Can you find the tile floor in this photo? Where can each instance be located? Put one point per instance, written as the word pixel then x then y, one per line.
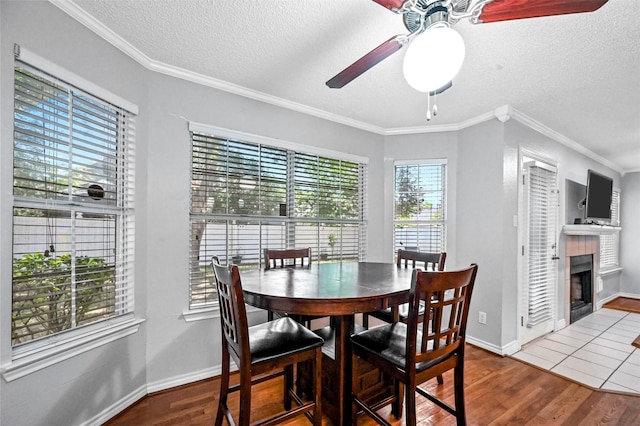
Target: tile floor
pixel 595 350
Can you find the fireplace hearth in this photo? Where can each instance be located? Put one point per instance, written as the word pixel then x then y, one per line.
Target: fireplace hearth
pixel 581 286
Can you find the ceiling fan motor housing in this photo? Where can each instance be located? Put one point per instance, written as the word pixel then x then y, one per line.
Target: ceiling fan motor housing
pixel 431 13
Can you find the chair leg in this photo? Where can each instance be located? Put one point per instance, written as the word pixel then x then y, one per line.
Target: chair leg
pixel 458 386
pixel 410 403
pixel 245 398
pixel 224 387
pixel 317 391
pixel 354 385
pixel 397 405
pixel 269 315
pixel 365 320
pixel 288 385
pixel 440 379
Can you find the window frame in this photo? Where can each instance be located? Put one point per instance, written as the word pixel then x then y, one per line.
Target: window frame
pixel 610 242
pixel 208 307
pixel 442 222
pixel 35 354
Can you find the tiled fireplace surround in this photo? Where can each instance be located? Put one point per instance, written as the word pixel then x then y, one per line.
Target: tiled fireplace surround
pixel 577 245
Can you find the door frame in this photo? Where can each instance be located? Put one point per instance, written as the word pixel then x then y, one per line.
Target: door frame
pixel 526 155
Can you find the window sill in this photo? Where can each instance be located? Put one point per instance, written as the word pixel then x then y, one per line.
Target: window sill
pixel 609 271
pixel 209 312
pixel 200 314
pixel 64 349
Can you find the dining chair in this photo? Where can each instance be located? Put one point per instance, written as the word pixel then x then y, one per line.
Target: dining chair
pixel 412 354
pixel 429 261
pixel 263 352
pixel 288 258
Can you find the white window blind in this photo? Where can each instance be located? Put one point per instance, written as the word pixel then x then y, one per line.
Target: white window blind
pixel 73 187
pixel 609 243
pixel 542 202
pixel 420 206
pixel 248 196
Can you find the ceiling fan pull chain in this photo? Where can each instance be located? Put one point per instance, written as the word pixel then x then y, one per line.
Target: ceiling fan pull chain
pixel 428 107
pixel 435 107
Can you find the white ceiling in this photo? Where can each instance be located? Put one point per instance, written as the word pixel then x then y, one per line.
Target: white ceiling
pixel 577 76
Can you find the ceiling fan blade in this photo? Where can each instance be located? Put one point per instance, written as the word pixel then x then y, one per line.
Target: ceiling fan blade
pixel 368 61
pixel 507 10
pixel 390 4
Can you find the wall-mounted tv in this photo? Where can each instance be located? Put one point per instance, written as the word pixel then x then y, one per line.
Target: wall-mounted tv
pixel 598 198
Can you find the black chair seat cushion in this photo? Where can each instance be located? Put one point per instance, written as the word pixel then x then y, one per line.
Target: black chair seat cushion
pixel 389 342
pixel 279 337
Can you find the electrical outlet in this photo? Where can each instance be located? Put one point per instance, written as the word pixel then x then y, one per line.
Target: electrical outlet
pixel 482 317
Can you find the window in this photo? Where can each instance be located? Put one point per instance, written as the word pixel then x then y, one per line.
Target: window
pixel 72 211
pixel 609 243
pixel 247 196
pixel 420 213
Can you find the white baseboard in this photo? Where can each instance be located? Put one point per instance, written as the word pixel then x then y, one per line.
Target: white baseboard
pixel 158 386
pixel 511 348
pixel 560 324
pixel 508 349
pixel 600 303
pixel 173 382
pixel 117 408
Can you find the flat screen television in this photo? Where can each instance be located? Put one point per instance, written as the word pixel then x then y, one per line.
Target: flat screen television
pixel 598 198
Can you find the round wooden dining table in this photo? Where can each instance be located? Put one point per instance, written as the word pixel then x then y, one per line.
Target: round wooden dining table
pixel 338 290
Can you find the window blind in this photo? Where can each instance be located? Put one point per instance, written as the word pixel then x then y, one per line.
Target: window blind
pixel 542 199
pixel 248 196
pixel 609 243
pixel 419 207
pixel 73 187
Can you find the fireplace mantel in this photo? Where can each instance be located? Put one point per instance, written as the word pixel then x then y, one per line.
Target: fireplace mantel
pixel 590 229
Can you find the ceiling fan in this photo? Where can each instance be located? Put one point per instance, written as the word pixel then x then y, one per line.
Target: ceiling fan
pixel 421 15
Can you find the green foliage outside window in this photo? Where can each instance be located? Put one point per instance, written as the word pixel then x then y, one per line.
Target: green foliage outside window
pixel 45 289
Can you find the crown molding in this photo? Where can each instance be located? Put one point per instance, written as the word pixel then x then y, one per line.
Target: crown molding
pixel 503 113
pixel 80 15
pixel 440 128
pixel 558 137
pixel 204 80
pixel 630 171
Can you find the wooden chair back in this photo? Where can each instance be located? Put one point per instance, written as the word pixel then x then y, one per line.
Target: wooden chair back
pixel 430 261
pixel 233 312
pixel 286 257
pixel 262 352
pixel 428 345
pixel 446 297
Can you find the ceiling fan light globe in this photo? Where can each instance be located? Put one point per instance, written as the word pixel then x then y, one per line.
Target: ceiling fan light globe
pixel 433 59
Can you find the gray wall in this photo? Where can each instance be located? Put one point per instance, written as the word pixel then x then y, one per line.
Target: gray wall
pixel 483 171
pixel 171 101
pixel 571 165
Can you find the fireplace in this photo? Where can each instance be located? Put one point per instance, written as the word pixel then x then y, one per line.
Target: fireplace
pixel 581 286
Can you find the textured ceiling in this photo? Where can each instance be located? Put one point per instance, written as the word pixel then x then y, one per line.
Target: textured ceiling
pixel 576 75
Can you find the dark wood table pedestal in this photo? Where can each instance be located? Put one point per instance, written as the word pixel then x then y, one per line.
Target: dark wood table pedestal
pixel 370 384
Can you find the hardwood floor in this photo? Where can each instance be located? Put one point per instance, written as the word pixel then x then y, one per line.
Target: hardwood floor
pixel 499 391
pixel 627 304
